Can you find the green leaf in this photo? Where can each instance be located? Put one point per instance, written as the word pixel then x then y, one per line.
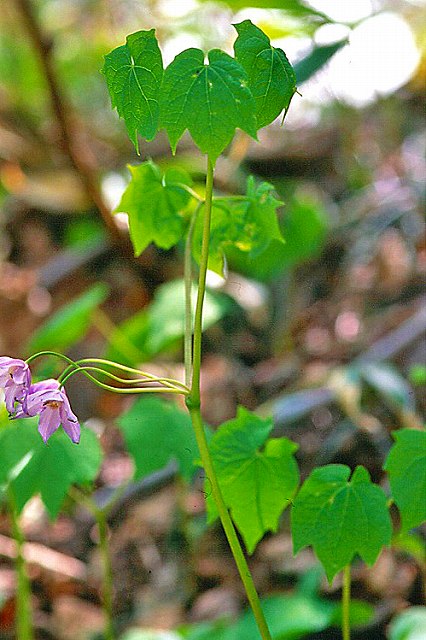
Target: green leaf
pixel 360 613
pixel 134 73
pixel 161 325
pixel 157 432
pixel 314 61
pixel 257 484
pixel 32 467
pixel 340 518
pixel 210 100
pixel 406 466
pixel 409 625
pixel 250 224
pixel 69 323
pixel 154 204
pixel 288 617
pixel 294 8
pixel 304 226
pixel 271 76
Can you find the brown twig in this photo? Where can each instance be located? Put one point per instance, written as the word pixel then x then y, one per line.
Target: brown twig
pixel 70 136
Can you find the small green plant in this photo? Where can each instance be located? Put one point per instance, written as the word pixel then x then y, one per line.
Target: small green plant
pixel 252 477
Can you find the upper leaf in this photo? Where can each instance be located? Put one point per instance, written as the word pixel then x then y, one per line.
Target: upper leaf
pixel 133 73
pixel 249 224
pixel 154 204
pixel 257 485
pixel 33 467
pixel 406 466
pixel 340 518
pixel 271 77
pixel 157 432
pixel 210 100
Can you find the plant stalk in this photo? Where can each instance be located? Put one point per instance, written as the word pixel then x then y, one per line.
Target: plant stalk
pixel 193 403
pixel 346 603
pixel 24 625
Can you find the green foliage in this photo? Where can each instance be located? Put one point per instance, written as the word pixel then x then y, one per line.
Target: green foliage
pixel 409 625
pixel 417 374
pixel 70 323
pixel 154 203
pixel 340 518
pixel 317 58
pixel 304 226
pixel 157 432
pixel 271 76
pixel 406 466
pixel 160 326
pixel 248 223
pixel 134 73
pixel 31 467
pixel 295 8
pixel 258 477
pixel 210 100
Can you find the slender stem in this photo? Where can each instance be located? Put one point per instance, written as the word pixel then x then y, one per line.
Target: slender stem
pixel 193 402
pixel 346 603
pixel 24 626
pixel 188 298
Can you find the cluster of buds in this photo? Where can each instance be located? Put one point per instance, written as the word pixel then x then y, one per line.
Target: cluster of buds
pixel 46 399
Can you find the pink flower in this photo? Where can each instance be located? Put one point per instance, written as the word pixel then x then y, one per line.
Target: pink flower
pixel 47 400
pixel 15 380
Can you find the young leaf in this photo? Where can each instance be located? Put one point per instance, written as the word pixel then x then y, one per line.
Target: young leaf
pixel 340 517
pixel 271 76
pixel 257 485
pixel 33 467
pixel 406 466
pixel 69 323
pixel 249 224
pixel 133 73
pixel 154 203
pixel 210 100
pixel 157 432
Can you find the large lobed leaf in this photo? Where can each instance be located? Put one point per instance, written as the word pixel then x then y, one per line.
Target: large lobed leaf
pixel 133 73
pixel 210 100
pixel 271 76
pixel 154 203
pixel 340 517
pixel 258 477
pixel 406 466
pixel 249 224
pixel 157 432
pixel 32 467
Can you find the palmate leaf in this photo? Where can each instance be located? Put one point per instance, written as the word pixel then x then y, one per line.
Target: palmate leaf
pixel 32 467
pixel 157 432
pixel 406 466
pixel 210 100
pixel 271 76
pixel 257 484
pixel 154 203
pixel 340 517
pixel 249 224
pixel 133 73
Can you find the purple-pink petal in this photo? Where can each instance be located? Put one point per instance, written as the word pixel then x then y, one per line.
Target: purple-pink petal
pixel 49 420
pixel 15 379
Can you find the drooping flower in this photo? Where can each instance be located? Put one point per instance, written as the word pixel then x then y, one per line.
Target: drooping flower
pixel 15 380
pixel 49 401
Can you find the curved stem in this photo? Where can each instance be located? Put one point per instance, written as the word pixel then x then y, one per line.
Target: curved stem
pixel 193 403
pixel 24 626
pixel 188 298
pixel 346 603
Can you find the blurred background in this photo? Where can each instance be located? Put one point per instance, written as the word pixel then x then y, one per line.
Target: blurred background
pixel 325 332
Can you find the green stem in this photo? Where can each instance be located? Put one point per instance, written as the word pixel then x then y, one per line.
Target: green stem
pixel 188 298
pixel 193 402
pixel 346 603
pixel 24 626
